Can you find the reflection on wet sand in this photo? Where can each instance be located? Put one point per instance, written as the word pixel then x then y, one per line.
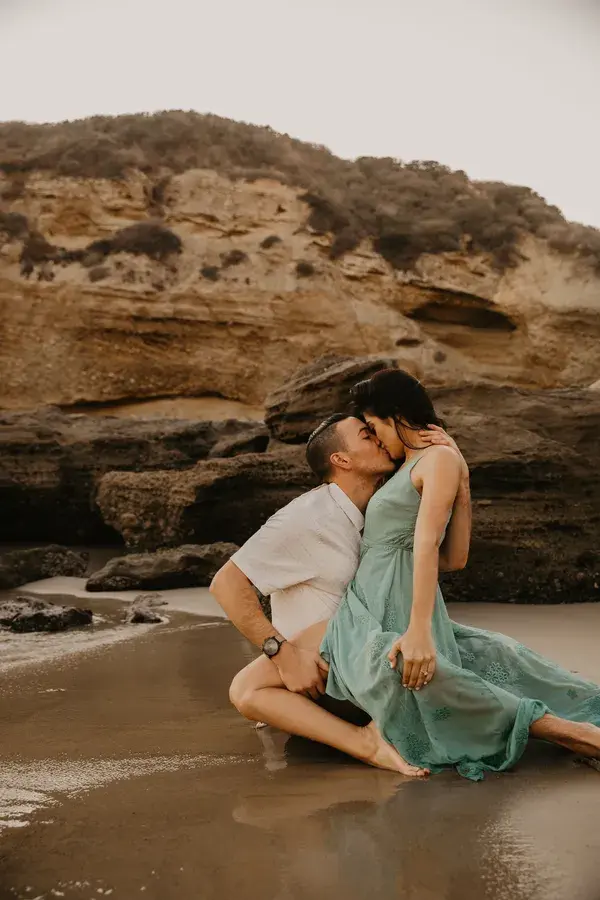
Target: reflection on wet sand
pixel 182 799
pixel 445 839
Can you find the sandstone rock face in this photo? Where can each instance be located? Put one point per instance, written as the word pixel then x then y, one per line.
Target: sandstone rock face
pixel 19 567
pixel 26 614
pixel 234 314
pixel 536 494
pixel 217 500
pixel 535 484
pixel 50 463
pixel 252 440
pixel 317 390
pixel 179 567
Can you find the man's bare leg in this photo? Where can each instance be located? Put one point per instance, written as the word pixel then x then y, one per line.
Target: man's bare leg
pixel 258 693
pixel 580 737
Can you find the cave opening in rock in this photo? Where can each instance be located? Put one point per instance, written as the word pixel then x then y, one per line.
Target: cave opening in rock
pixel 470 312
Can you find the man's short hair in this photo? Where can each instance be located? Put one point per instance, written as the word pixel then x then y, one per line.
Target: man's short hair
pixel 324 441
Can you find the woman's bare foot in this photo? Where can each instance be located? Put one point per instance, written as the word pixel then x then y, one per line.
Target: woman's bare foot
pixel 383 756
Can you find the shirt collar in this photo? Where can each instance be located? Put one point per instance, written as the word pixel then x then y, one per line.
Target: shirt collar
pixel 346 504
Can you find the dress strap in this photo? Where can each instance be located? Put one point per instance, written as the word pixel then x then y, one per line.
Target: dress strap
pixel 412 463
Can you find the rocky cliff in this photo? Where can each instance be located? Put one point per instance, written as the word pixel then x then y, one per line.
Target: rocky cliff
pixel 247 291
pixel 145 276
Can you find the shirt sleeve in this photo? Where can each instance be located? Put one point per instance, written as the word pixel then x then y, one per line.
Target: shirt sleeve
pixel 282 553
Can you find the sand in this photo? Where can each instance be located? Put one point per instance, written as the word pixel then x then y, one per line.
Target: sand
pixel 126 773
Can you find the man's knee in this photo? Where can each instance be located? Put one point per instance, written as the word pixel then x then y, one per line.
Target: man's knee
pixel 240 694
pixel 244 694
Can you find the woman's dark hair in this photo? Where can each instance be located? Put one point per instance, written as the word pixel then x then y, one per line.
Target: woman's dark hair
pixel 394 394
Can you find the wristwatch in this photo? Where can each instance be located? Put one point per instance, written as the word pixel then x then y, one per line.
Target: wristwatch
pixel 272 645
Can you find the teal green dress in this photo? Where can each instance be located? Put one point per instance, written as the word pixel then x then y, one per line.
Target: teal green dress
pixel 487 690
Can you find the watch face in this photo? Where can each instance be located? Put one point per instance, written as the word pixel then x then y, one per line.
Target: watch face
pixel 271 646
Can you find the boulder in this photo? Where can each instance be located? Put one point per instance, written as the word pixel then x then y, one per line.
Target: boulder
pixel 188 566
pixel 22 614
pixel 21 566
pixel 143 610
pixel 534 477
pixel 217 500
pixel 536 494
pixel 316 391
pixel 254 440
pixel 50 463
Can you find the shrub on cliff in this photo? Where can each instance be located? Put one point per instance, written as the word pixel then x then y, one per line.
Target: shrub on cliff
pixel 304 269
pixel 233 258
pixel 13 225
pixel 211 273
pixel 270 241
pixel 142 239
pixel 405 208
pixel 37 249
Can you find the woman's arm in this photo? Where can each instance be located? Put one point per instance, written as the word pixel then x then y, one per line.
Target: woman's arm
pixel 439 477
pixel 454 551
pixel 439 474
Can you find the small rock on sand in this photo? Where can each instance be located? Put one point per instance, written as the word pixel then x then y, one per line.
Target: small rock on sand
pixel 26 614
pixel 144 610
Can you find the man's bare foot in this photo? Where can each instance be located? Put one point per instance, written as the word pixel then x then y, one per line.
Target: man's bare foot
pixel 383 756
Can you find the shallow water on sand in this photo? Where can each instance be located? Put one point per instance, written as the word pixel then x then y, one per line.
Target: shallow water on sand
pixel 108 608
pixel 126 773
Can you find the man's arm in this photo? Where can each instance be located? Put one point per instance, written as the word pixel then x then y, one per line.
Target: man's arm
pixel 454 551
pixel 302 671
pixel 235 593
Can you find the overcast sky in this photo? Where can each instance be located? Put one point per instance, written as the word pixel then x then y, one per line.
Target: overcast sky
pixel 504 89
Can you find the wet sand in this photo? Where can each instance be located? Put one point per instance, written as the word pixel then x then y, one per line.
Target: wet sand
pixel 126 773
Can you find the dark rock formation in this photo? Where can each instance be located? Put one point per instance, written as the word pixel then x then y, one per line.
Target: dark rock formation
pixel 316 391
pixel 217 500
pixel 19 567
pixel 143 610
pixel 254 440
pixel 187 566
pixel 23 614
pixel 50 463
pixel 536 490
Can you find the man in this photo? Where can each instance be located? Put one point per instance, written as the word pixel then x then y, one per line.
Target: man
pixel 303 557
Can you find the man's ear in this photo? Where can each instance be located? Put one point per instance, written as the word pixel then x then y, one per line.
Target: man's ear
pixel 341 460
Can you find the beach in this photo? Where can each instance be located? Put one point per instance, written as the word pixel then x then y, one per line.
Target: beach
pixel 127 773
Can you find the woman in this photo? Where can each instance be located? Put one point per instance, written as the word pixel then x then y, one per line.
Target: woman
pixel 443 694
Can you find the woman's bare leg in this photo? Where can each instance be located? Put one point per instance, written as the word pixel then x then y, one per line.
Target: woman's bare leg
pixel 580 737
pixel 260 695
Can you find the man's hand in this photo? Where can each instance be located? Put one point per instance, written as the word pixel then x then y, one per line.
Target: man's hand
pixel 418 651
pixel 302 671
pixel 433 434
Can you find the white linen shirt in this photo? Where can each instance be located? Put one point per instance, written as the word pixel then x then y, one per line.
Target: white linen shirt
pixel 304 556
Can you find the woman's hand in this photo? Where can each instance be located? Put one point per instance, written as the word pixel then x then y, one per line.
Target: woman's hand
pixel 418 651
pixel 436 435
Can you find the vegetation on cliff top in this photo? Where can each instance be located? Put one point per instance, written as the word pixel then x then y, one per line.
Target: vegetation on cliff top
pixel 406 208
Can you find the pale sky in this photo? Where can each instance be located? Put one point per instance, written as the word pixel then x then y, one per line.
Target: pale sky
pixel 505 89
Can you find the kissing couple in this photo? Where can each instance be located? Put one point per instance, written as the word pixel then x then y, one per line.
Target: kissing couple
pixel 361 653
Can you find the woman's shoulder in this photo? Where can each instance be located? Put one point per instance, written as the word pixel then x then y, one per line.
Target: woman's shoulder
pixel 438 459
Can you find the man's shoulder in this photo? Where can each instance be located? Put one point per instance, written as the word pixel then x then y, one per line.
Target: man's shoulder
pixel 313 503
